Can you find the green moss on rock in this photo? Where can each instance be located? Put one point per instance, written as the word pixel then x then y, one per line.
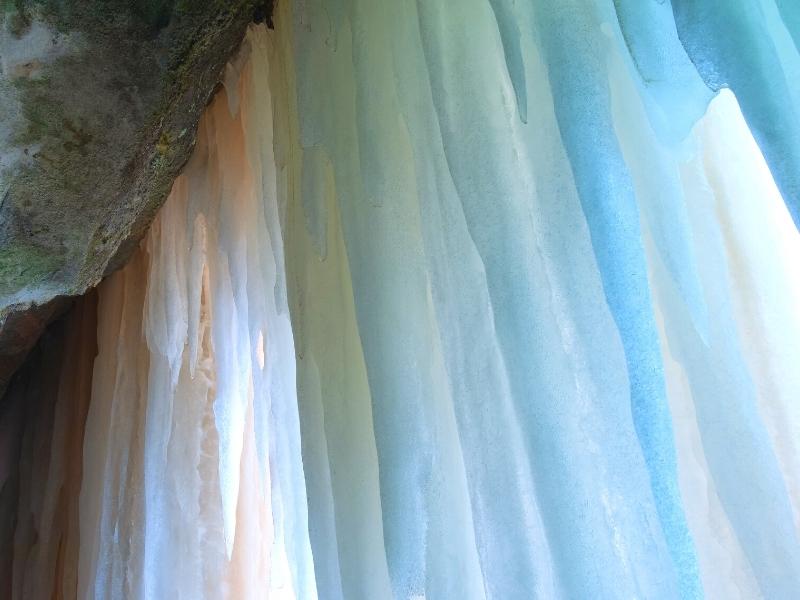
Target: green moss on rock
pixel 25 264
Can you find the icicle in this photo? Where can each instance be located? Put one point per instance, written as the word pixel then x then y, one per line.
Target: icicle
pixel 196 486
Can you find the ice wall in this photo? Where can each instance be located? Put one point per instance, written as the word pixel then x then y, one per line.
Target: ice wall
pixel 544 297
pixel 733 394
pixel 41 448
pixel 193 484
pixel 493 302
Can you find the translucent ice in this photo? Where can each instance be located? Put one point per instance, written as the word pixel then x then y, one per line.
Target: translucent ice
pixel 193 483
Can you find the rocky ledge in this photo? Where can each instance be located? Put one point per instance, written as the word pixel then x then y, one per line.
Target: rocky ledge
pixel 99 103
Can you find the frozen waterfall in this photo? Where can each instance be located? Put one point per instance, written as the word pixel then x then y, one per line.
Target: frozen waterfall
pixel 478 300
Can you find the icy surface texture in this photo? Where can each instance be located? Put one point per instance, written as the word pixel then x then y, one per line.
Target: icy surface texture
pixel 41 449
pixel 544 298
pixel 193 484
pixel 752 47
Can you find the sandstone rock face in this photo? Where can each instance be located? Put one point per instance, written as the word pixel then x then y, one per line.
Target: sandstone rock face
pixel 99 102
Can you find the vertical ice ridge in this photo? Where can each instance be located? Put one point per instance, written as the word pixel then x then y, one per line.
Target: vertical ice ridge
pixel 657 186
pixel 216 459
pixel 724 569
pixel 508 25
pixel 498 577
pixel 450 210
pixel 779 577
pixel 582 100
pixel 791 18
pixel 733 45
pixel 765 282
pixel 674 93
pixel 720 384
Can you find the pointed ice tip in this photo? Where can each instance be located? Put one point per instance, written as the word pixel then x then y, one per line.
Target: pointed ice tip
pixel 230 538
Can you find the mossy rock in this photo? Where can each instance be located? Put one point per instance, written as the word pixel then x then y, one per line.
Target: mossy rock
pixel 99 104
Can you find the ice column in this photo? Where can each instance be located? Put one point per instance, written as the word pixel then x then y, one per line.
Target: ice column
pixel 193 484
